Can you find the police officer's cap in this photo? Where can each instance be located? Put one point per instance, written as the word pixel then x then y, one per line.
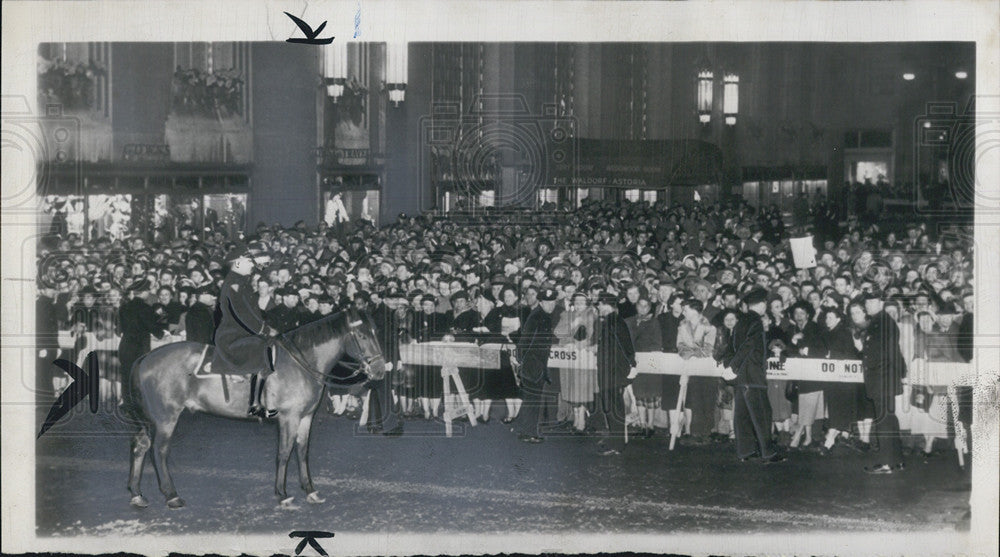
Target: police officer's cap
pixel 238 251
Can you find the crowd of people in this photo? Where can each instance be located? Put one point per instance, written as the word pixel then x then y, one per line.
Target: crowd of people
pixel 613 278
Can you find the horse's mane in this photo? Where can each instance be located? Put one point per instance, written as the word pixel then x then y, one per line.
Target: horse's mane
pixel 311 335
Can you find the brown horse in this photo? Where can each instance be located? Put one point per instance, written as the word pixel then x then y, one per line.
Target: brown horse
pixel 164 383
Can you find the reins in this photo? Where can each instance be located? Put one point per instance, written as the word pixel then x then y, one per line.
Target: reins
pixel 302 360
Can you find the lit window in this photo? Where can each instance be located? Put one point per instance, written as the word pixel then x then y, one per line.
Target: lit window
pixel 486 199
pixel 632 195
pixel 649 196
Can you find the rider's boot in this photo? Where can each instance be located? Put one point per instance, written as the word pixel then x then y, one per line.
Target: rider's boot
pixel 257 408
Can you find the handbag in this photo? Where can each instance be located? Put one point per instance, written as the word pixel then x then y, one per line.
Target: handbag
pixel 792 391
pixel 921 397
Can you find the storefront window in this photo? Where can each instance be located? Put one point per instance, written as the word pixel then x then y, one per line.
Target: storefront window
pixel 548 195
pixel 109 216
pixel 649 196
pixel 487 199
pixel 226 212
pixel 89 217
pixel 871 171
pixel 355 205
pixel 632 195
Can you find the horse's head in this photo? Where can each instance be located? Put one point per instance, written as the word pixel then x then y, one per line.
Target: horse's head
pixel 362 345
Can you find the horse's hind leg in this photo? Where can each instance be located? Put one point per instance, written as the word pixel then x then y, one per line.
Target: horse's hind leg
pixel 140 446
pixel 161 446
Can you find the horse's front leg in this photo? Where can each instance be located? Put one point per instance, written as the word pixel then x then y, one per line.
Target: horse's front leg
pixel 302 446
pixel 286 436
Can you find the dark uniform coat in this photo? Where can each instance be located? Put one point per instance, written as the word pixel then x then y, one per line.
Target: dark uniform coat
pixel 138 322
pixel 842 399
pixel 884 366
pixel 200 323
pixel 615 352
pixel 284 318
pixel 534 343
pixel 238 339
pixel 427 328
pixel 473 379
pixel 749 356
pixel 815 340
pixel 752 416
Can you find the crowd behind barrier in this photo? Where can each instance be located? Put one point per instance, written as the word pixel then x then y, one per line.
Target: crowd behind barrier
pixel 676 273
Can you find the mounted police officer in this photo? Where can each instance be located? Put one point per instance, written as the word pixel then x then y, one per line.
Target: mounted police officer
pixel 241 340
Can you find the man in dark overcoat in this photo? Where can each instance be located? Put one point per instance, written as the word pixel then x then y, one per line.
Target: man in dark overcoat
pixel 199 322
pixel 533 346
pixel 748 370
pixel 288 314
pixel 884 369
pixel 138 322
pixel 383 412
pixel 615 362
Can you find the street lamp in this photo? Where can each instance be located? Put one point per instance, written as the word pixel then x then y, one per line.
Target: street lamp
pixel 396 71
pixel 335 70
pixel 705 83
pixel 730 98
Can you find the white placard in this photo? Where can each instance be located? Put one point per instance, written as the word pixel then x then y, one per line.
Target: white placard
pixel 803 252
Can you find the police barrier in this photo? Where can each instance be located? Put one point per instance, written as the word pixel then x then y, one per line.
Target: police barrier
pixel 487 356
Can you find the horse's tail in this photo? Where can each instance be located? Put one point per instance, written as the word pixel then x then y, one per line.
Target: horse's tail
pixel 132 405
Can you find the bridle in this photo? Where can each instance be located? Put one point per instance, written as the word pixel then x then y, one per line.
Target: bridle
pixel 365 365
pixel 362 367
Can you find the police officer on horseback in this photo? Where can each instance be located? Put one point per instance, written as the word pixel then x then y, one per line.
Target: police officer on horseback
pixel 242 337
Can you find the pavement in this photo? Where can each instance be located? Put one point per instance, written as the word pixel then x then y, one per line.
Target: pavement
pixel 480 480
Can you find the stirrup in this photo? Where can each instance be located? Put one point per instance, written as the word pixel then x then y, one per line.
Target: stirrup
pixel 261 412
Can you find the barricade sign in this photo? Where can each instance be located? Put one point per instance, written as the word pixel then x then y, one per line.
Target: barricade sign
pixel 487 357
pixel 458 354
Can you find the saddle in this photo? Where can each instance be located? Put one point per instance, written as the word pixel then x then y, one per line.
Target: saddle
pixel 211 366
pixel 212 363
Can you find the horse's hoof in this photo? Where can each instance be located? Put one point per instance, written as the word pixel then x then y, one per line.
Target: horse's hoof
pixel 175 502
pixel 139 502
pixel 314 498
pixel 286 503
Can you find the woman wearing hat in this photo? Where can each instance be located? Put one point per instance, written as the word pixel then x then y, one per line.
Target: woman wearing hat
pixel 504 320
pixel 576 328
pixel 646 337
pixel 807 341
pixel 428 325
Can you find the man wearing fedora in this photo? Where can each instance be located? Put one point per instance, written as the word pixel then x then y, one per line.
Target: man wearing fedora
pixel 884 370
pixel 615 362
pixel 748 371
pixel 241 338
